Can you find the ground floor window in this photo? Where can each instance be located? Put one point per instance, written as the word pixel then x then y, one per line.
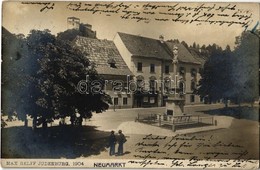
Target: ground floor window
pixel 192 98
pixel 115 101
pixel 152 99
pixel 145 99
pixel 125 101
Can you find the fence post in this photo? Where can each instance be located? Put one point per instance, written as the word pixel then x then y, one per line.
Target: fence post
pixel 173 126
pixel 159 120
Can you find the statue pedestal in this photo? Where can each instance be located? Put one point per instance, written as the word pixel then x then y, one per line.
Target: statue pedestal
pixel 174 106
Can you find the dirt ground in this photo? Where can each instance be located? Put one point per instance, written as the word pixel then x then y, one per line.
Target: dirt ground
pixel 232 138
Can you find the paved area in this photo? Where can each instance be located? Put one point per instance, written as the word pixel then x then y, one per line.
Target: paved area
pixel 110 119
pixel 241 132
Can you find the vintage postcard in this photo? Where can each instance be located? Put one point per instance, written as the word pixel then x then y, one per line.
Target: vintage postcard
pixel 88 84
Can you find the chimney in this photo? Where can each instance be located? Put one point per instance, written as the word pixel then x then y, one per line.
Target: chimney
pixel 161 38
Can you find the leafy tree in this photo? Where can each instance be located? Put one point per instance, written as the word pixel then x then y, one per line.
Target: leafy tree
pixel 216 82
pixel 13 71
pixel 194 45
pixel 42 80
pixel 245 68
pixel 69 34
pixel 203 47
pixel 62 68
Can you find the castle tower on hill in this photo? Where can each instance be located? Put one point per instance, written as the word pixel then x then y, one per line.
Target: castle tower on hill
pixel 84 29
pixel 73 23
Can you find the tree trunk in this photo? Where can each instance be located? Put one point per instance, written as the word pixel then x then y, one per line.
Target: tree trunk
pixel 34 122
pixel 44 123
pixel 80 121
pixel 25 122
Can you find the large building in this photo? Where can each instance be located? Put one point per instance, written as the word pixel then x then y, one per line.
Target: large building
pixel 110 65
pixel 151 62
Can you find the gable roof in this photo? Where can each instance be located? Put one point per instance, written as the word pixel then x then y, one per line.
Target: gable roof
pixel 148 47
pixel 144 47
pixel 184 54
pixel 100 52
pixel 200 57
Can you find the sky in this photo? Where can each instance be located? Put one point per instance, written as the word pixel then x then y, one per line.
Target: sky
pixel 21 18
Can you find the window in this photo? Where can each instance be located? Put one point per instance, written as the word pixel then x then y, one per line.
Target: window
pixel 152 68
pixel 193 86
pixel 181 87
pixel 169 112
pixel 152 84
pixel 139 66
pixel 182 71
pixel 192 98
pixel 115 101
pixel 140 84
pixel 113 65
pixel 167 69
pixel 145 99
pixel 125 101
pixel 152 100
pixel 167 84
pixel 193 72
pixel 112 62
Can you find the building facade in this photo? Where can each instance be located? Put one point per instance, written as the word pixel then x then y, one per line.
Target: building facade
pixel 111 66
pixel 151 62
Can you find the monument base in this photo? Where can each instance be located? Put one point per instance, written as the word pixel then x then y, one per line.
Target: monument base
pixel 175 106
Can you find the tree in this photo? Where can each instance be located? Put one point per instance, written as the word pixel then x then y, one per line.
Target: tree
pixel 215 83
pixel 194 45
pixel 62 68
pixel 245 68
pixel 13 73
pixel 69 34
pixel 203 47
pixel 42 81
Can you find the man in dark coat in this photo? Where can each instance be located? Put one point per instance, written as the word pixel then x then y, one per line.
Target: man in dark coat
pixel 121 140
pixel 112 143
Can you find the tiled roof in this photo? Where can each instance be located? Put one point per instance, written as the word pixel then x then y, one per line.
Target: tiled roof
pixel 184 54
pixel 100 52
pixel 144 47
pixel 148 47
pixel 201 58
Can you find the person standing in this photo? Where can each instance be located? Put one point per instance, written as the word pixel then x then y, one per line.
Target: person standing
pixel 121 140
pixel 112 143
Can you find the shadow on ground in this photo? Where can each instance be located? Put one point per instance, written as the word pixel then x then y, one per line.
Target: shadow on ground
pixel 53 142
pixel 243 112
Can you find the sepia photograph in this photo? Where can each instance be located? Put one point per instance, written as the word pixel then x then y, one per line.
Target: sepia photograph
pixel 91 84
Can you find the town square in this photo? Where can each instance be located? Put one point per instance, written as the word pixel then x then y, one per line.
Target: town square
pixel 130 85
